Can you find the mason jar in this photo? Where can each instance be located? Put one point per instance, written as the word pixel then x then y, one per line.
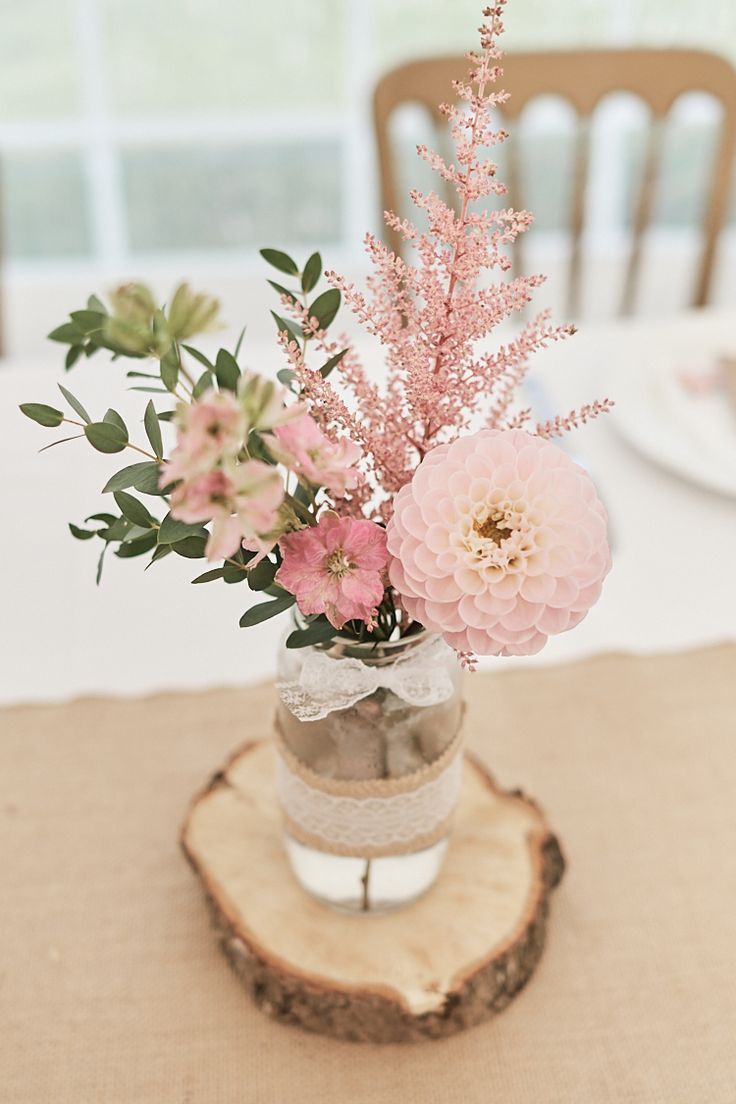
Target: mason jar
pixel 368 766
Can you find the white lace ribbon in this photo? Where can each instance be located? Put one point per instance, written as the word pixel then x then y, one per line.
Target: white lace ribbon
pixel 325 683
pixel 369 826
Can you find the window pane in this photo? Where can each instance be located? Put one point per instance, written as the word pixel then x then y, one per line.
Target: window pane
pixel 678 23
pixel 414 28
pixel 38 60
pixel 196 56
pixel 45 205
pixel 213 197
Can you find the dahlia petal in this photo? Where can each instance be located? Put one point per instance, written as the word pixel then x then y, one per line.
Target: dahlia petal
pixel 501 590
pixel 537 588
pixel 469 581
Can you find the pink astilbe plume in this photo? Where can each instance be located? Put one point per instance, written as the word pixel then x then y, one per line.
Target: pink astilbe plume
pixel 430 315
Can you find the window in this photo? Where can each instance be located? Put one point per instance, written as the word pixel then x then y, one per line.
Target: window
pixel 132 131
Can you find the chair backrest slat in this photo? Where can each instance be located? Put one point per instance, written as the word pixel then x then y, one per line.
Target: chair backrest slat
pixel 577 217
pixel 583 79
pixel 642 212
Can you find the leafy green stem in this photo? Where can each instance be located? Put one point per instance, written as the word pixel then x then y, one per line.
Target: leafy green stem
pixel 143 452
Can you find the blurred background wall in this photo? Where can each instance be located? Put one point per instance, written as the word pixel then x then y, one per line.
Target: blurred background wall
pixel 142 140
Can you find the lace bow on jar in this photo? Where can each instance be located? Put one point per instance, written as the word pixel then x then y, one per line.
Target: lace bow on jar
pixel 324 683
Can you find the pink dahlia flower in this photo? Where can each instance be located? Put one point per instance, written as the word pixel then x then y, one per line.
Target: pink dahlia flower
pixel 335 567
pixel 498 542
pixel 241 501
pixel 302 446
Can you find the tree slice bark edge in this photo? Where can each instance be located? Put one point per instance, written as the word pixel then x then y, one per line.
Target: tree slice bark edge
pixel 289 997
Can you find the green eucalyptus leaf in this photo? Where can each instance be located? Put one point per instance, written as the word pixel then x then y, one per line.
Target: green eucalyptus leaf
pixel 150 390
pixel 325 307
pixel 117 531
pixel 293 331
pixel 261 576
pixel 81 534
pixel 283 291
pixel 303 494
pixel 153 429
pixel 331 363
pixel 282 261
pixel 137 547
pixel 209 576
pixel 134 510
pixel 170 370
pixel 73 354
pixel 318 632
pixel 100 565
pixel 239 342
pixel 144 477
pixel 113 418
pixel 192 548
pixel 107 518
pixel 173 530
pixel 287 377
pixel 45 415
pixel 67 334
pixel 75 404
pixel 166 415
pixel 232 574
pixel 205 381
pixel 135 532
pixel 95 304
pixel 159 552
pixel 226 370
pixel 88 321
pixel 203 360
pixel 312 272
pixel 106 437
pixel 256 614
pixel 142 375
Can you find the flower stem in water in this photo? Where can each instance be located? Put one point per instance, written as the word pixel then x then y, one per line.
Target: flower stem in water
pixel 366 905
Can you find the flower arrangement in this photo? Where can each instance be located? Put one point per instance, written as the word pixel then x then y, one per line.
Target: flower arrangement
pixel 429 501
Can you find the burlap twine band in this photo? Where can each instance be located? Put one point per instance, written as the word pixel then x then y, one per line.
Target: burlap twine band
pixel 373 817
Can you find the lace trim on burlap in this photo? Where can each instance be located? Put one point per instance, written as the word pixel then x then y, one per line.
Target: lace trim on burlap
pixel 369 818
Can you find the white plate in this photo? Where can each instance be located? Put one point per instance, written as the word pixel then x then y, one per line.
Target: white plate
pixel 691 434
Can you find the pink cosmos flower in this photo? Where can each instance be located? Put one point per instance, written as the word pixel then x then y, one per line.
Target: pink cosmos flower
pixel 210 428
pixel 497 542
pixel 241 500
pixel 302 446
pixel 335 567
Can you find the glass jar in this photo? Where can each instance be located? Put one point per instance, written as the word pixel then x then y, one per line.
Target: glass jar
pixel 368 766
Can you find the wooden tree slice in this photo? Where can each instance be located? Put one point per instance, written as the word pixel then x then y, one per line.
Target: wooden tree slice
pixel 444 963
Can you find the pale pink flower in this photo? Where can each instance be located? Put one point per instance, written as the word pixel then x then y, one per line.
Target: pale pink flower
pixel 335 567
pixel 498 542
pixel 211 427
pixel 203 497
pixel 241 500
pixel 302 446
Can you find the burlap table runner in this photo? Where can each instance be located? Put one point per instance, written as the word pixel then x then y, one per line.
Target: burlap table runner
pixel 112 987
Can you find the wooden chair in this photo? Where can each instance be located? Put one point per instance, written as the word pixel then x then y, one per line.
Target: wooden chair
pixel 583 78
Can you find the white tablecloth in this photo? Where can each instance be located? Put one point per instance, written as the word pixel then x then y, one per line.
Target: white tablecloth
pixel 672 585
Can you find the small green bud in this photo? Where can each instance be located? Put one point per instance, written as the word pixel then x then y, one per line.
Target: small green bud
pixel 133 303
pixel 191 314
pixel 130 337
pixel 129 326
pixel 263 402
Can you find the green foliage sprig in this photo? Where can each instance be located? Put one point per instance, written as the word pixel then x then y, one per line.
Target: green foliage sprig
pixel 132 326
